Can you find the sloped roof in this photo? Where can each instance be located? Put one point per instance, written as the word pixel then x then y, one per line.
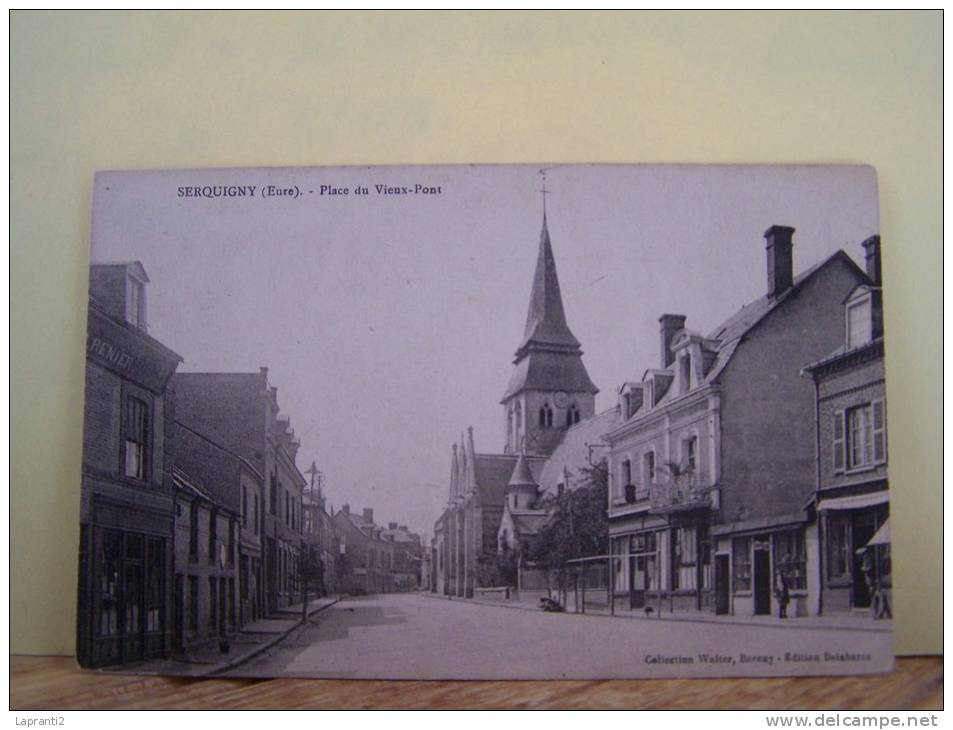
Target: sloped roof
pixel 493 473
pixel 547 370
pixel 572 451
pixel 546 318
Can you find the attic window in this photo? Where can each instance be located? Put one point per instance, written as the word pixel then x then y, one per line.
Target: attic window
pixel 136 304
pixel 685 366
pixel 858 323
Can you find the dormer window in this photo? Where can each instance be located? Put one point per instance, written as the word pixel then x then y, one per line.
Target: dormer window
pixel 685 372
pixel 649 388
pixel 858 323
pixel 627 400
pixel 136 303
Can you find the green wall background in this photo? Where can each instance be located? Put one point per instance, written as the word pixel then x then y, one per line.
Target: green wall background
pixel 110 90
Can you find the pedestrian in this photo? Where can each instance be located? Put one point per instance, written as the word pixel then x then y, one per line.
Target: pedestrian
pixel 782 593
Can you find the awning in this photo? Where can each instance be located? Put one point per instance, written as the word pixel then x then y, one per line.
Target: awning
pixel 858 501
pixel 882 536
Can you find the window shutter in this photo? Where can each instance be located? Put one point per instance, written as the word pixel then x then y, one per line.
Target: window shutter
pixel 839 441
pixel 880 445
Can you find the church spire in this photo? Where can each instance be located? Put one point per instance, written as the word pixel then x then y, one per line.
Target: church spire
pixel 546 318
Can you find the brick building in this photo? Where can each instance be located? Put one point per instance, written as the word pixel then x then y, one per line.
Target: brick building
pixel 365 562
pixel 126 502
pixel 240 412
pixel 852 498
pixel 713 463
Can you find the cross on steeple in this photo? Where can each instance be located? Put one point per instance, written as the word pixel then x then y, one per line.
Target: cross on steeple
pixel 543 190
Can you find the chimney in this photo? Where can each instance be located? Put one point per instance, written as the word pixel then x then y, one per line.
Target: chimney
pixel 670 324
pixel 346 508
pixel 391 525
pixel 369 515
pixel 780 264
pixel 872 258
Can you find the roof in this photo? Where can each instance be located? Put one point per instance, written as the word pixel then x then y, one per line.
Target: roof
pixel 572 452
pixel 844 352
pixel 546 319
pixel 493 472
pixel 181 480
pixel 522 476
pixel 548 370
pixel 731 332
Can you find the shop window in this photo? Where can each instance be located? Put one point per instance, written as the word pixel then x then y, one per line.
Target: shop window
pixel 154 585
pixel 685 558
pixel 136 438
pixel 838 541
pixel 231 603
pixel 741 557
pixel 790 558
pixel 108 624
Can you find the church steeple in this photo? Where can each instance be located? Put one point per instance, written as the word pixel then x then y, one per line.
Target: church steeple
pixel 546 318
pixel 550 389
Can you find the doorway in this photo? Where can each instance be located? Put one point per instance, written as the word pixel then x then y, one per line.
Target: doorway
pixel 722 585
pixel 762 577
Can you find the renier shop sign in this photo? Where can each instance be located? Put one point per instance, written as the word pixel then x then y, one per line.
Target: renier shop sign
pixel 115 356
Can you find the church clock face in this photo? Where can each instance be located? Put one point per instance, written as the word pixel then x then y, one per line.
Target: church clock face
pixel 561 399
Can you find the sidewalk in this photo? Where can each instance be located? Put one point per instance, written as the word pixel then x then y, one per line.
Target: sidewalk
pixel 824 623
pixel 249 642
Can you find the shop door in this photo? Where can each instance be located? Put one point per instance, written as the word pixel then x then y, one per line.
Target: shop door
pixel 864 525
pixel 132 600
pixel 637 582
pixel 762 578
pixel 722 585
pixel 179 603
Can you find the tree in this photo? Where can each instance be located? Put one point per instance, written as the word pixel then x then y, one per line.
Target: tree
pixel 579 526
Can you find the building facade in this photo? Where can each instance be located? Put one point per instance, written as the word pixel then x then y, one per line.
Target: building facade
pixel 852 498
pixel 240 412
pixel 366 561
pixel 712 464
pixel 127 505
pixel 321 536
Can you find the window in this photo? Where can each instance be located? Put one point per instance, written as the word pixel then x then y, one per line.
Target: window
pixel 136 313
pixel 273 495
pixel 572 415
pixel 193 531
pixel 741 557
pixel 865 436
pixel 648 461
pixel 546 415
pixel 858 324
pixel 685 365
pixel 626 473
pixel 627 399
pixel 256 513
pixel 136 436
pixel 108 624
pixel 212 605
pixel 684 558
pixel 244 506
pixel 560 489
pixel 689 452
pixel 154 562
pixel 212 535
pixel 231 542
pixel 514 501
pixel 193 604
pixel 838 552
pixel 231 603
pixel 790 558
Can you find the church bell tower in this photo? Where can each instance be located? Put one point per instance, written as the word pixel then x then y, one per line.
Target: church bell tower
pixel 550 389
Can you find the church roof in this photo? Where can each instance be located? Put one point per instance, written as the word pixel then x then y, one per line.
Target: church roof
pixel 522 476
pixel 550 371
pixel 546 319
pixel 493 473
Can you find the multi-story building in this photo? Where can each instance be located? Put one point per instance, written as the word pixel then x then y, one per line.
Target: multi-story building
pixel 126 504
pixel 240 412
pixel 216 482
pixel 713 462
pixel 852 499
pixel 408 555
pixel 366 561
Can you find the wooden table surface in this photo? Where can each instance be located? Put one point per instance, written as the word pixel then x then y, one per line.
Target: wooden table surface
pixel 55 683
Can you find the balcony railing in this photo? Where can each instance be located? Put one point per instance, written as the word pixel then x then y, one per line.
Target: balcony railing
pixel 685 493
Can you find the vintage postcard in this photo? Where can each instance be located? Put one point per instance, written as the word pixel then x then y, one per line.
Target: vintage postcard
pixel 486 422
